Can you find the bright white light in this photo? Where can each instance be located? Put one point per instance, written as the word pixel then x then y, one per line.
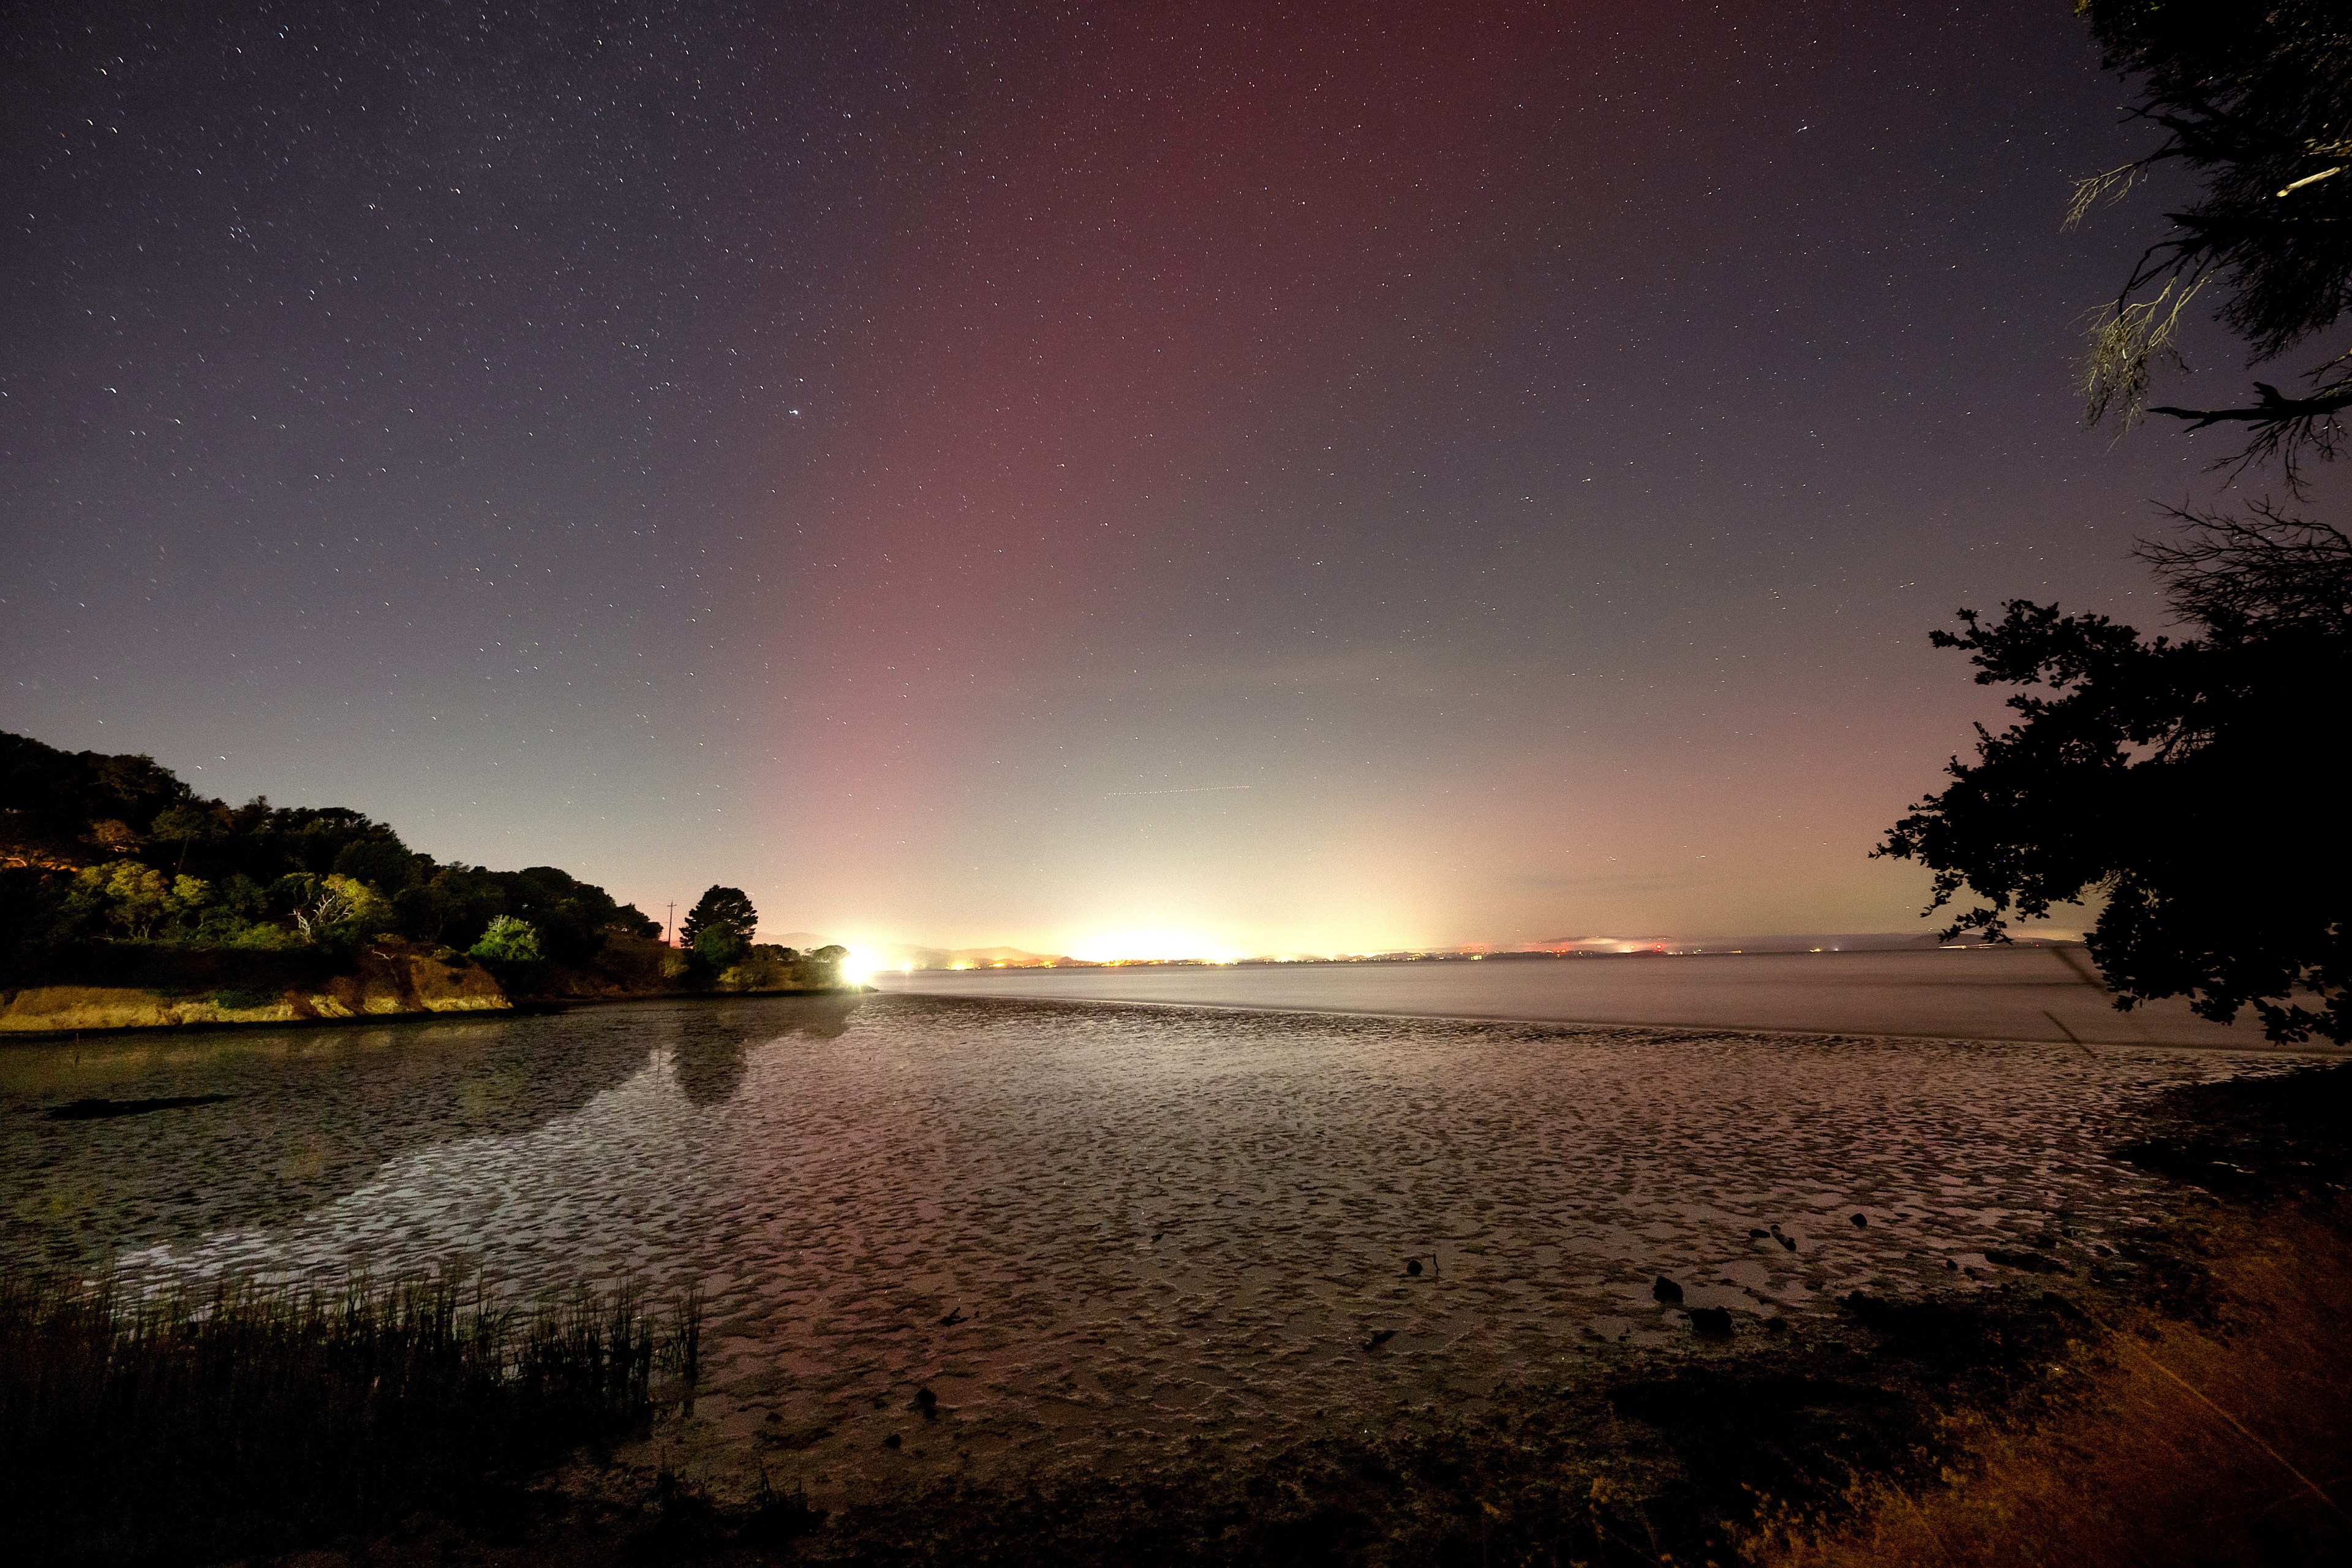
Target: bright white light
pixel 858 966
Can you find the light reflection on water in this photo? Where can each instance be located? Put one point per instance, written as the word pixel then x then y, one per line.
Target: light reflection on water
pixel 1147 1225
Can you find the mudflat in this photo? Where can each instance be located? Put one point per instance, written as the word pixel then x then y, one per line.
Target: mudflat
pixel 1100 1236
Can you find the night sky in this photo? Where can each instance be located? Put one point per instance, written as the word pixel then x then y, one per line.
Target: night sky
pixel 1137 478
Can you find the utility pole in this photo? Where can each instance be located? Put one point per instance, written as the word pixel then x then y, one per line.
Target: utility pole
pixel 672 922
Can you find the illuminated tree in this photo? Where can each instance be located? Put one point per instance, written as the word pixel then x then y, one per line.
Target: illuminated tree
pixel 509 940
pixel 721 925
pixel 131 899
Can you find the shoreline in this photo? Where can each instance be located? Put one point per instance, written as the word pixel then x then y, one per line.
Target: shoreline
pixel 2041 995
pixel 2320 1052
pixel 526 1007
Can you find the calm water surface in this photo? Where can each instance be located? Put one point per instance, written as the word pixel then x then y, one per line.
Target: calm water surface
pixel 1095 1231
pixel 2048 993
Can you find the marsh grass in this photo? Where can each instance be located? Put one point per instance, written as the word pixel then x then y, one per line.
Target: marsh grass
pixel 250 1418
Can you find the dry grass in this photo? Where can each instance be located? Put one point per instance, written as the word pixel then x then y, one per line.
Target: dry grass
pixel 2224 1442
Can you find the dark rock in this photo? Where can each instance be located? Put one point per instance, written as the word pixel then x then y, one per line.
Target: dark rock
pixel 1861 1220
pixel 928 1403
pixel 1380 1338
pixel 891 1441
pixel 1413 1267
pixel 1667 1292
pixel 1711 1322
pixel 1754 1235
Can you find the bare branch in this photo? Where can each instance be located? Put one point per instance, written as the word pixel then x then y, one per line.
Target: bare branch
pixel 2102 190
pixel 2127 340
pixel 2235 574
pixel 2281 426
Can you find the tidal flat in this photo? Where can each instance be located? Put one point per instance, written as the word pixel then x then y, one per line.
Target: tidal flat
pixel 998 1241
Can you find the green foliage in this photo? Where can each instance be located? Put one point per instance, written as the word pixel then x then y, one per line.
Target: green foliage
pixel 366 910
pixel 510 939
pixel 571 915
pixel 239 905
pixel 455 904
pixel 720 908
pixel 256 938
pixel 383 863
pixel 720 946
pixel 128 899
pixel 261 877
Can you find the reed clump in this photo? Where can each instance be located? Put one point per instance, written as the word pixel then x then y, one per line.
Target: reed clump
pixel 242 1417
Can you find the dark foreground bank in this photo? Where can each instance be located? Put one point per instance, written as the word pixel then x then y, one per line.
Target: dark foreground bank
pixel 207 1426
pixel 2179 1397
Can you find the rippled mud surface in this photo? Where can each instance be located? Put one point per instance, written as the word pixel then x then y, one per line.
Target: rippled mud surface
pixel 1095 1232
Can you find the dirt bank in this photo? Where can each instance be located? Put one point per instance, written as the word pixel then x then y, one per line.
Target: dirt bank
pixel 386 976
pixel 389 976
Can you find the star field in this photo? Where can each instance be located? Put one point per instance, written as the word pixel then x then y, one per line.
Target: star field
pixel 918 463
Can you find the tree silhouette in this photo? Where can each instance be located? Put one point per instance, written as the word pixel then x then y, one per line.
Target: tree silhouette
pixel 2195 785
pixel 721 925
pixel 2256 102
